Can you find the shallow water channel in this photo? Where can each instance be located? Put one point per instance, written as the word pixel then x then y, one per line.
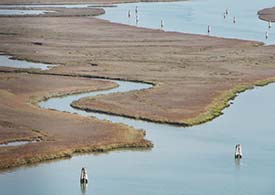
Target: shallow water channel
pixel 194 160
pixel 16 143
pixel 18 12
pixel 7 61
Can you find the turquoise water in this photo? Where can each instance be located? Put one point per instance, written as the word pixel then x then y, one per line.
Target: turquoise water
pixel 195 160
pixel 194 16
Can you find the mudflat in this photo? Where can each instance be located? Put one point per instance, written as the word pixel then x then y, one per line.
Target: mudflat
pixel 59 12
pixel 194 75
pixel 267 14
pixel 59 134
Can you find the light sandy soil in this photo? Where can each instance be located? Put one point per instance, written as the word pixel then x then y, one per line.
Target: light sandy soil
pixel 267 14
pixel 62 134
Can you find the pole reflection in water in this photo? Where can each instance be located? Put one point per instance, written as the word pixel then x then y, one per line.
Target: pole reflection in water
pixel 83 187
pixel 237 163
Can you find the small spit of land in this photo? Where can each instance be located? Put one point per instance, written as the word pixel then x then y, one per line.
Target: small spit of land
pixel 267 14
pixel 194 77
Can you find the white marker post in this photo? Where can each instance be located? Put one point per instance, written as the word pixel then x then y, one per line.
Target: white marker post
pixel 137 19
pixel 266 35
pixel 238 151
pixel 161 24
pixel 209 29
pixel 83 176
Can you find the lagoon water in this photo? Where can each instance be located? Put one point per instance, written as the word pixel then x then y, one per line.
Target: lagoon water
pixel 195 160
pixel 194 16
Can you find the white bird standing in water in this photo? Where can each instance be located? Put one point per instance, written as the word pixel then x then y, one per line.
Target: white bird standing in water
pixel 269 24
pixel 209 29
pixel 266 35
pixel 161 24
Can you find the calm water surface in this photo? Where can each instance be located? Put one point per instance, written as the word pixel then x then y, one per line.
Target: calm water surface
pixel 195 160
pixel 7 61
pixel 22 12
pixel 194 17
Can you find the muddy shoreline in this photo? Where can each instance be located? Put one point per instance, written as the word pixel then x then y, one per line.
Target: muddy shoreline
pixel 267 14
pixel 23 120
pixel 215 109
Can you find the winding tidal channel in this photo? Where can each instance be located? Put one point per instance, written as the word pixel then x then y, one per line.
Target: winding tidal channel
pixel 193 160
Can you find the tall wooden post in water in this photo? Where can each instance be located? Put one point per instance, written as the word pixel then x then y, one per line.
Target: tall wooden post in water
pixel 238 151
pixel 83 176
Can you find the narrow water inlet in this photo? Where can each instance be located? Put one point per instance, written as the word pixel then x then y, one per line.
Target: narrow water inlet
pixel 14 12
pixel 8 61
pixel 18 143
